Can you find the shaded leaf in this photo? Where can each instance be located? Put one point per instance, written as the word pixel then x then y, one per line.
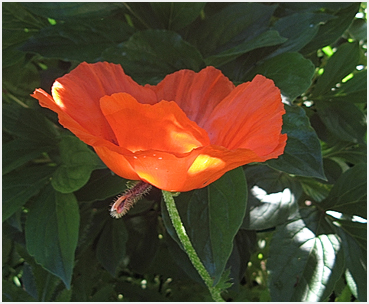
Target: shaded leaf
pixel 343 119
pixel 12 293
pixel 177 15
pixel 299 28
pixel 18 152
pixel 333 29
pixel 19 187
pixel 302 155
pixel 267 38
pixel 77 163
pixel 111 246
pixel 29 125
pixel 291 72
pixel 70 10
pixel 212 217
pixel 349 194
pixel 146 60
pixel 102 185
pixel 306 259
pixel 78 41
pixel 54 220
pixel 231 26
pixel 342 63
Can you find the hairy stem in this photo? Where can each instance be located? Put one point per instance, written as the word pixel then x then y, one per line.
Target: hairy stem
pixel 185 240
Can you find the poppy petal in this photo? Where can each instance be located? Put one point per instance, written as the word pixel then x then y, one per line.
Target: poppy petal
pixel 249 118
pixel 197 94
pixel 162 126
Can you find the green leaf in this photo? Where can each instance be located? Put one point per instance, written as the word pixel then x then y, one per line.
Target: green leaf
pixel 52 232
pixel 299 28
pixel 342 63
pixel 145 59
pixel 291 72
pixel 177 15
pixel 343 119
pixel 354 90
pixel 267 38
pixel 349 194
pixel 356 263
pixel 212 217
pixel 77 163
pixel 306 259
pixel 28 124
pixel 102 185
pixel 333 29
pixel 71 10
pixel 302 155
pixel 111 246
pixel 78 41
pixel 20 186
pixel 272 198
pixel 18 152
pixel 12 293
pixel 233 25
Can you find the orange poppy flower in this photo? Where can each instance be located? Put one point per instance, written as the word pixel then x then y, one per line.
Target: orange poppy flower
pixel 179 135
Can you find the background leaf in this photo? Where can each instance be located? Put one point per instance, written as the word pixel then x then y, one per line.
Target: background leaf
pixel 302 154
pixel 54 220
pixel 77 163
pixel 306 259
pixel 212 217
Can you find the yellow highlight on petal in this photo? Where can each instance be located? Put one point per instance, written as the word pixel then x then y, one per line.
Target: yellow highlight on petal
pixel 204 162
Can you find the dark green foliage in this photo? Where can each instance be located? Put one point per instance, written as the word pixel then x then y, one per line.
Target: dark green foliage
pixel 291 229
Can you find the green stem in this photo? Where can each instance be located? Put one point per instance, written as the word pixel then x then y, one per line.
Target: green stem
pixel 185 240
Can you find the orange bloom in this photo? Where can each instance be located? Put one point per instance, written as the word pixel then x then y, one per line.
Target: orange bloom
pixel 179 135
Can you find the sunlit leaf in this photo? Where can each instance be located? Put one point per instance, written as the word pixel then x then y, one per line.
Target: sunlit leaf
pixel 306 259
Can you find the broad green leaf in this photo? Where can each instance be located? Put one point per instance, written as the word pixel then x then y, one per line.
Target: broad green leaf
pixel 143 241
pixel 18 152
pixel 314 189
pixel 356 263
pixel 102 185
pixel 343 119
pixel 13 293
pixel 291 72
pixel 302 155
pixel 233 25
pixel 272 197
pixel 177 15
pixel 71 10
pixel 349 194
pixel 20 186
pixel 267 38
pixel 212 217
pixel 313 6
pixel 333 29
pixel 356 229
pixel 299 28
pixel 78 41
pixel 353 154
pixel 111 246
pixel 306 259
pixel 77 163
pixel 145 59
pixel 342 63
pixel 28 124
pixel 52 232
pixel 354 90
pixel 358 29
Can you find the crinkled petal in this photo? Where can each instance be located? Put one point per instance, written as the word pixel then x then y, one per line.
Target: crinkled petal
pixel 141 127
pixel 197 94
pixel 78 93
pixel 250 118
